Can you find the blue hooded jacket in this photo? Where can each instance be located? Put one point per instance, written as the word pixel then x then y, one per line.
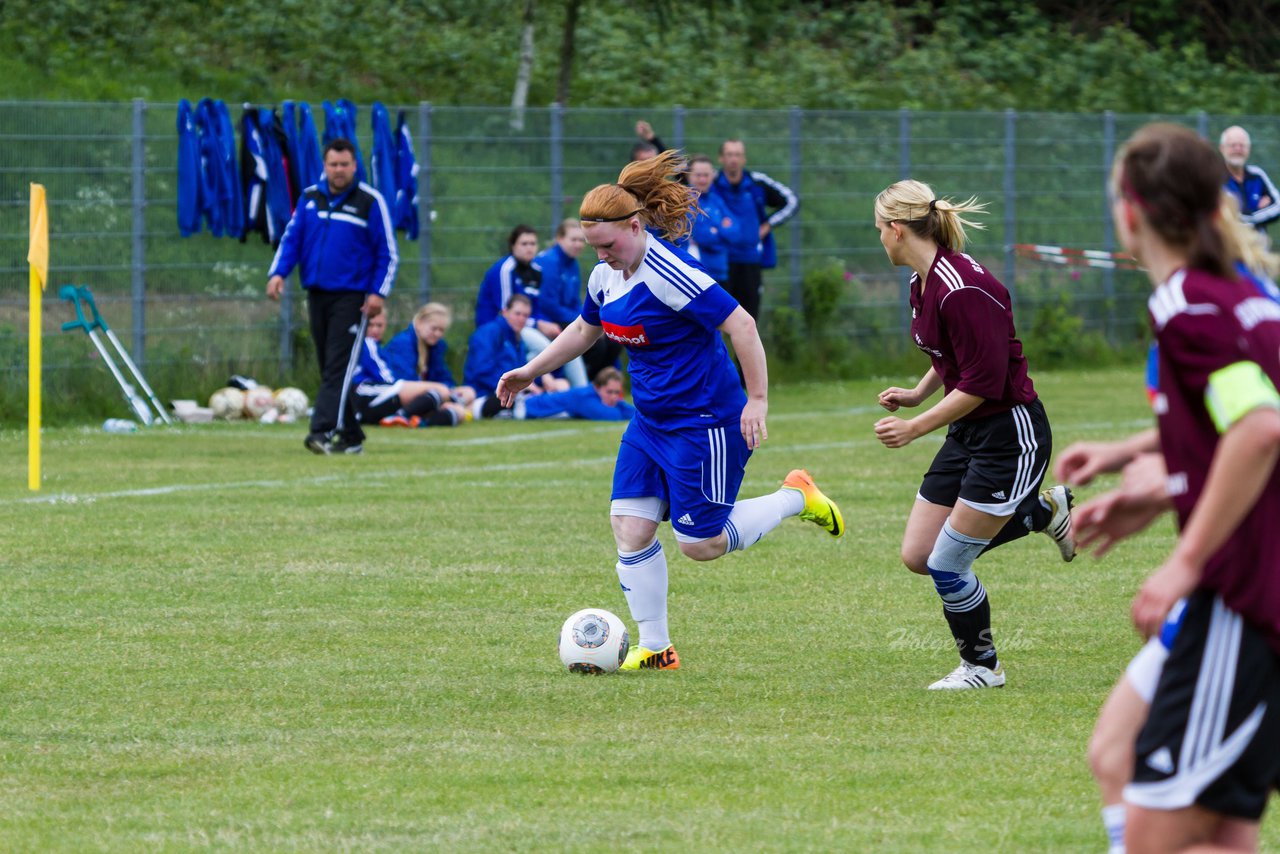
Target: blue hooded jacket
pixel 340 123
pixel 189 171
pixel 405 208
pixel 310 163
pixel 382 162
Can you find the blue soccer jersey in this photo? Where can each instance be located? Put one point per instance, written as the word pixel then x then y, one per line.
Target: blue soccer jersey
pixel 667 315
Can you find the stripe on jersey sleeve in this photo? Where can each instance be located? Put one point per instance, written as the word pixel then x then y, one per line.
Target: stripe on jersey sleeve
pixel 1235 391
pixel 678 284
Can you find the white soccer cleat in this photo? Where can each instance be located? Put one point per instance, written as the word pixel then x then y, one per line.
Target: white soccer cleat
pixel 968 676
pixel 1059 499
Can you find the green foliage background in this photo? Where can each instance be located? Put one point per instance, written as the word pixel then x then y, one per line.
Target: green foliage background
pixel 1163 56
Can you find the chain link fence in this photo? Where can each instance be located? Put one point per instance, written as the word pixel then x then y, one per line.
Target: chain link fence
pixel 192 309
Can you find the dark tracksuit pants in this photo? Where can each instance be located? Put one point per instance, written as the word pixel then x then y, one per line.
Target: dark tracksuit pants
pixel 335 318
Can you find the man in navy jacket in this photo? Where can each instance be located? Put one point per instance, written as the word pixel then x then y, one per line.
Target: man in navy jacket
pixel 340 238
pixel 758 204
pixel 1252 187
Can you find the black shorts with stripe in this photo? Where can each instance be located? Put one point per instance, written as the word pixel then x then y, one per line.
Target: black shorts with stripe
pixel 994 463
pixel 1212 737
pixel 375 401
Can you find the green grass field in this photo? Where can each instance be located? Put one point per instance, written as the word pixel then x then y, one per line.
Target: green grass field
pixel 213 639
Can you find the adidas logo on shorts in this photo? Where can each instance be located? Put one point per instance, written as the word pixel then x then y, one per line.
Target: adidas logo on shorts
pixel 999 496
pixel 686 519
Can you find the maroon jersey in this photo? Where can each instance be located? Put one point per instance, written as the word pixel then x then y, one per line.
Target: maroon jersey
pixel 964 320
pixel 1204 324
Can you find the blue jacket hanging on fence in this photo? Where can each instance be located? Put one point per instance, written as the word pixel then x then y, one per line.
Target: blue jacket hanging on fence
pixel 266 182
pixel 230 195
pixel 208 182
pixel 340 242
pixel 340 122
pixel 405 213
pixel 310 163
pixel 382 159
pixel 189 172
pixel 222 209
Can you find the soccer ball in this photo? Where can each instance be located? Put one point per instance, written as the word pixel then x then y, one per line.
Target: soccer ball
pixel 593 641
pixel 257 401
pixel 291 401
pixel 227 403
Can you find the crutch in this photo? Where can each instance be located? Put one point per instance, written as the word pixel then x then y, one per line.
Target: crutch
pixel 352 363
pixel 75 295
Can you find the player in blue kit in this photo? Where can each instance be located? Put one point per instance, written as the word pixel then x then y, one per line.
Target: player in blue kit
pixel 684 454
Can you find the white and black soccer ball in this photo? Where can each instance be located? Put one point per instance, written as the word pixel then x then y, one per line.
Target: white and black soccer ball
pixel 227 404
pixel 292 401
pixel 593 641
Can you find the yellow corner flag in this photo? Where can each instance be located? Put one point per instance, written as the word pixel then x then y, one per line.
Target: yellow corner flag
pixel 38 258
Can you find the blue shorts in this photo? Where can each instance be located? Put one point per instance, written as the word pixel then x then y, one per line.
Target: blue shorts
pixel 696 470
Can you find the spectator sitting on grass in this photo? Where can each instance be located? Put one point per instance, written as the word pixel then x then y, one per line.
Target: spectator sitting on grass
pixel 496 347
pixel 602 401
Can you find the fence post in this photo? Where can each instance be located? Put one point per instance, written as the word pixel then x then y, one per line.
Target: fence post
pixel 1010 198
pixel 795 231
pixel 139 248
pixel 557 165
pixel 904 172
pixel 677 126
pixel 1202 124
pixel 1108 226
pixel 426 204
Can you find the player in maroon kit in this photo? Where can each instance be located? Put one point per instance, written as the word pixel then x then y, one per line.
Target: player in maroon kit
pixel 1206 759
pixel 982 489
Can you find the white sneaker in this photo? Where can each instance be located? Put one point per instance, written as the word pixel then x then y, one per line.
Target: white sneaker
pixel 968 676
pixel 1059 499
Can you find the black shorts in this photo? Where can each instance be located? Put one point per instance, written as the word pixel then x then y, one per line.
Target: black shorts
pixel 375 401
pixel 993 463
pixel 1212 737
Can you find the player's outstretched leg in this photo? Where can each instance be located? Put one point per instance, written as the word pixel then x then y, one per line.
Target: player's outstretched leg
pixel 818 508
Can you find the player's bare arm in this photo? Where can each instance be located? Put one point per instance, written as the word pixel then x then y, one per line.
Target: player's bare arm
pixel 742 332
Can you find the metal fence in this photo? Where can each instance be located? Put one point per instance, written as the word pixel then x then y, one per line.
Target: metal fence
pixel 111 175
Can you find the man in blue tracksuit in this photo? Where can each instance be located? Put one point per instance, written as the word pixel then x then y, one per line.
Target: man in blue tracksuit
pixel 340 237
pixel 758 204
pixel 1259 200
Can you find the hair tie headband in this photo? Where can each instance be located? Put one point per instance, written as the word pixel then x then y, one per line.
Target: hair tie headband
pixel 611 218
pixel 933 205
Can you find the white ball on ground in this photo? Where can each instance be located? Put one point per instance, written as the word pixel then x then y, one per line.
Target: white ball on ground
pixel 227 404
pixel 257 401
pixel 593 640
pixel 292 402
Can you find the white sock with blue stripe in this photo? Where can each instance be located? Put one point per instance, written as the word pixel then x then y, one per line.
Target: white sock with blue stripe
pixel 643 576
pixel 752 518
pixel 1113 817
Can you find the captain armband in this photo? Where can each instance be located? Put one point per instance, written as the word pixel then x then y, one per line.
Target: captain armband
pixel 1235 391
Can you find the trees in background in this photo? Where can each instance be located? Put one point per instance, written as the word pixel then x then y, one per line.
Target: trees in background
pixel 1068 55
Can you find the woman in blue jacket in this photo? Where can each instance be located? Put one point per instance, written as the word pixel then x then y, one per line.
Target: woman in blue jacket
pixel 419 352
